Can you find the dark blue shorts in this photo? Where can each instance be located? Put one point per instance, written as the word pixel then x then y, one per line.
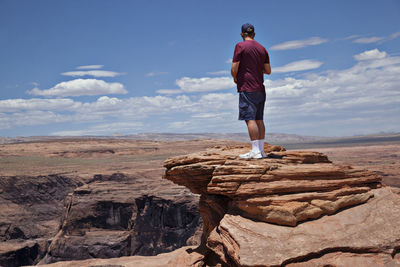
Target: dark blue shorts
pixel 251 105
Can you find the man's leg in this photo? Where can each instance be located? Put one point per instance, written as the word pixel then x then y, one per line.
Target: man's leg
pixel 253 128
pixel 253 133
pixel 261 136
pixel 248 109
pixel 261 129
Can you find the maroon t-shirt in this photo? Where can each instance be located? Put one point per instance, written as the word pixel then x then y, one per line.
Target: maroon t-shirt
pixel 252 57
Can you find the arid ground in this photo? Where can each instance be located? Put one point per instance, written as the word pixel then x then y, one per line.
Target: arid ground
pixel 37 176
pixel 383 159
pixel 86 157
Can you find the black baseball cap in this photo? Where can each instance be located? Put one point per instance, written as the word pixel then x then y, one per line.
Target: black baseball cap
pixel 247 28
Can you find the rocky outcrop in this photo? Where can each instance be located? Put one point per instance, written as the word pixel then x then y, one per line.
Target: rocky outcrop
pixel 291 209
pixel 366 233
pixel 285 188
pixel 186 256
pixel 118 215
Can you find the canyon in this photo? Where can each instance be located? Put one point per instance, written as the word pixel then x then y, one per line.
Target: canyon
pixel 94 199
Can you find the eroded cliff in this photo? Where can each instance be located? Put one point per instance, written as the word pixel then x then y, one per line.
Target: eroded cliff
pixel 118 215
pixel 294 208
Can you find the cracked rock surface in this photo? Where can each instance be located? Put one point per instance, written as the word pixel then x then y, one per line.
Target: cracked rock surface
pixel 371 231
pixel 291 209
pixel 285 188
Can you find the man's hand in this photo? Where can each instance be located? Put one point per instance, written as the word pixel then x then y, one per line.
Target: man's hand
pixel 267 69
pixel 234 70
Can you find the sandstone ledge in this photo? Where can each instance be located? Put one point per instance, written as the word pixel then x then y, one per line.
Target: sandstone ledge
pixel 370 231
pixel 286 188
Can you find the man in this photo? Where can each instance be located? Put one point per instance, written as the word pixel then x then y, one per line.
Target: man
pixel 250 62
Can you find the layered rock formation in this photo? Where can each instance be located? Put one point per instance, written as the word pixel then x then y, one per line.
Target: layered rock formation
pixel 284 189
pixel 30 208
pixel 36 178
pixel 117 215
pixel 290 209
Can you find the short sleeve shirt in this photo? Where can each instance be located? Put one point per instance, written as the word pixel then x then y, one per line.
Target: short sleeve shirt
pixel 252 57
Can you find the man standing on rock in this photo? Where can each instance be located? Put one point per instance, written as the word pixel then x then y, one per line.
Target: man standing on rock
pixel 250 62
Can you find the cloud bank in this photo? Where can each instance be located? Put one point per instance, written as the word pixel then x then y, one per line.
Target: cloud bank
pixel 205 84
pixel 335 102
pixel 370 55
pixel 94 73
pixel 296 44
pixel 90 67
pixel 376 39
pixel 298 66
pixel 80 87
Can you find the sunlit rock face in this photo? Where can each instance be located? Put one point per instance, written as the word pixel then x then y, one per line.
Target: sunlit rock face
pixel 285 188
pixel 293 208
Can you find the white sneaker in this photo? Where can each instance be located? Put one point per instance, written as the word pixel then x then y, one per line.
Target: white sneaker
pixel 251 155
pixel 264 156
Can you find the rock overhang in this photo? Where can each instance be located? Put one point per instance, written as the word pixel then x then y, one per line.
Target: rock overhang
pixel 286 188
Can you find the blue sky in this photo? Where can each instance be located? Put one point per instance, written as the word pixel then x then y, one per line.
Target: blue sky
pixel 100 67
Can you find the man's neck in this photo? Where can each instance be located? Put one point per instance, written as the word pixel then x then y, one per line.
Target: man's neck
pixel 248 39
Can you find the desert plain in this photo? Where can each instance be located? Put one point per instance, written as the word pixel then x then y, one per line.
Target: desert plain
pixel 129 167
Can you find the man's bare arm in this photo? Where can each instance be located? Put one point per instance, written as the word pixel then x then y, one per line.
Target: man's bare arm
pixel 267 69
pixel 234 70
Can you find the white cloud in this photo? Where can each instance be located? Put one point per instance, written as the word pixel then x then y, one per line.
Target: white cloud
pixel 371 54
pixel 296 44
pixel 95 73
pixel 394 35
pixel 362 98
pixel 298 66
pixel 368 85
pixel 13 105
pixel 103 129
pixel 216 102
pixel 368 40
pixel 218 122
pixel 353 36
pixel 178 125
pixel 375 39
pixel 156 73
pixel 169 91
pixel 33 117
pixel 81 87
pixel 205 84
pixel 90 67
pixel 221 72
